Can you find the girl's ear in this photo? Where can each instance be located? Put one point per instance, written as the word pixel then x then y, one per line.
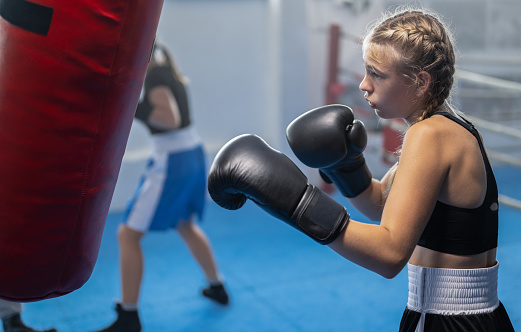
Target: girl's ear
pixel 423 83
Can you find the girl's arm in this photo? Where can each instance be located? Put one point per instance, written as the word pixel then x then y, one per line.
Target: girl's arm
pixel 386 248
pixel 372 200
pixel 165 112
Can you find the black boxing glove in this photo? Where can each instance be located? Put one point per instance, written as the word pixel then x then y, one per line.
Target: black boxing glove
pixel 329 138
pixel 247 167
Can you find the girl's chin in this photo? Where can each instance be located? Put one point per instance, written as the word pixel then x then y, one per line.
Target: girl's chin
pixel 385 115
pixel 380 113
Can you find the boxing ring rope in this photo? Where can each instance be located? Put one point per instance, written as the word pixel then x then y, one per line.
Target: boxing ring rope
pixel 488 81
pixel 509 201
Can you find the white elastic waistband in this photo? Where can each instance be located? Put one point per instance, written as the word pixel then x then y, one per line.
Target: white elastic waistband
pixel 176 140
pixel 453 291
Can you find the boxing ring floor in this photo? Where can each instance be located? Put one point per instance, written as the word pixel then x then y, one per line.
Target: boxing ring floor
pixel 279 280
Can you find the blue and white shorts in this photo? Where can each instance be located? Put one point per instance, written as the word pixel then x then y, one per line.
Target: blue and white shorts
pixel 173 187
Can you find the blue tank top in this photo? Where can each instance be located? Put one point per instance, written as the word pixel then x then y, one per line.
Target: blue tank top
pixel 461 231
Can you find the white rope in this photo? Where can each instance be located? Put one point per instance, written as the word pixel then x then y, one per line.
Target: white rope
pixel 495 127
pixel 502 157
pixel 488 80
pixel 509 201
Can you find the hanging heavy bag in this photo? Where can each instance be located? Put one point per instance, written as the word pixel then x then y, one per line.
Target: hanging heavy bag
pixel 70 78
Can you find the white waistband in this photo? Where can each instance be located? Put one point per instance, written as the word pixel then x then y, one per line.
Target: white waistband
pixel 453 291
pixel 176 140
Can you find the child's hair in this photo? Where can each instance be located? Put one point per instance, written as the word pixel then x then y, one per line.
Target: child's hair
pixel 422 43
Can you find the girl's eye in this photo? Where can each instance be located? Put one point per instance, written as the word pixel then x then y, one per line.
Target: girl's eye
pixel 374 74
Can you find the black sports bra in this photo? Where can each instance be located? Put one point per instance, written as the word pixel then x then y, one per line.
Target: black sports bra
pixel 460 231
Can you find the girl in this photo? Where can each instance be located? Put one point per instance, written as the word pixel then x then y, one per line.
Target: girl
pixel 172 190
pixel 437 207
pixel 439 202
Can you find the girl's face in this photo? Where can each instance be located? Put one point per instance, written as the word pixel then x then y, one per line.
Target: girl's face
pixel 388 92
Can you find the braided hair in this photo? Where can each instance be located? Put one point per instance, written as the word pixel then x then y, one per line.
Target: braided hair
pixel 422 43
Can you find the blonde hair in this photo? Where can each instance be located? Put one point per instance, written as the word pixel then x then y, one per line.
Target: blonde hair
pixel 421 42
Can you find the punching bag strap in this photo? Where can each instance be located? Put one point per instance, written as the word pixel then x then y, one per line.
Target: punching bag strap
pixel 27 15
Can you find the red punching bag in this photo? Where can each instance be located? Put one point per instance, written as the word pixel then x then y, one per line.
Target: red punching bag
pixel 70 77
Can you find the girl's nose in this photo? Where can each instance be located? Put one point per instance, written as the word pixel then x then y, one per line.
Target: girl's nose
pixel 364 85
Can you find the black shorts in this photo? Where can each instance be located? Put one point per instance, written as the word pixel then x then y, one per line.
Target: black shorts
pixel 496 321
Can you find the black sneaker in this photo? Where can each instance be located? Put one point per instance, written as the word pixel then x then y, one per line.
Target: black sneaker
pixel 216 293
pixel 15 324
pixel 127 321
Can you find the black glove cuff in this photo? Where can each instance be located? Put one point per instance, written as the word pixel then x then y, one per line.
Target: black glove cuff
pixel 350 183
pixel 319 216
